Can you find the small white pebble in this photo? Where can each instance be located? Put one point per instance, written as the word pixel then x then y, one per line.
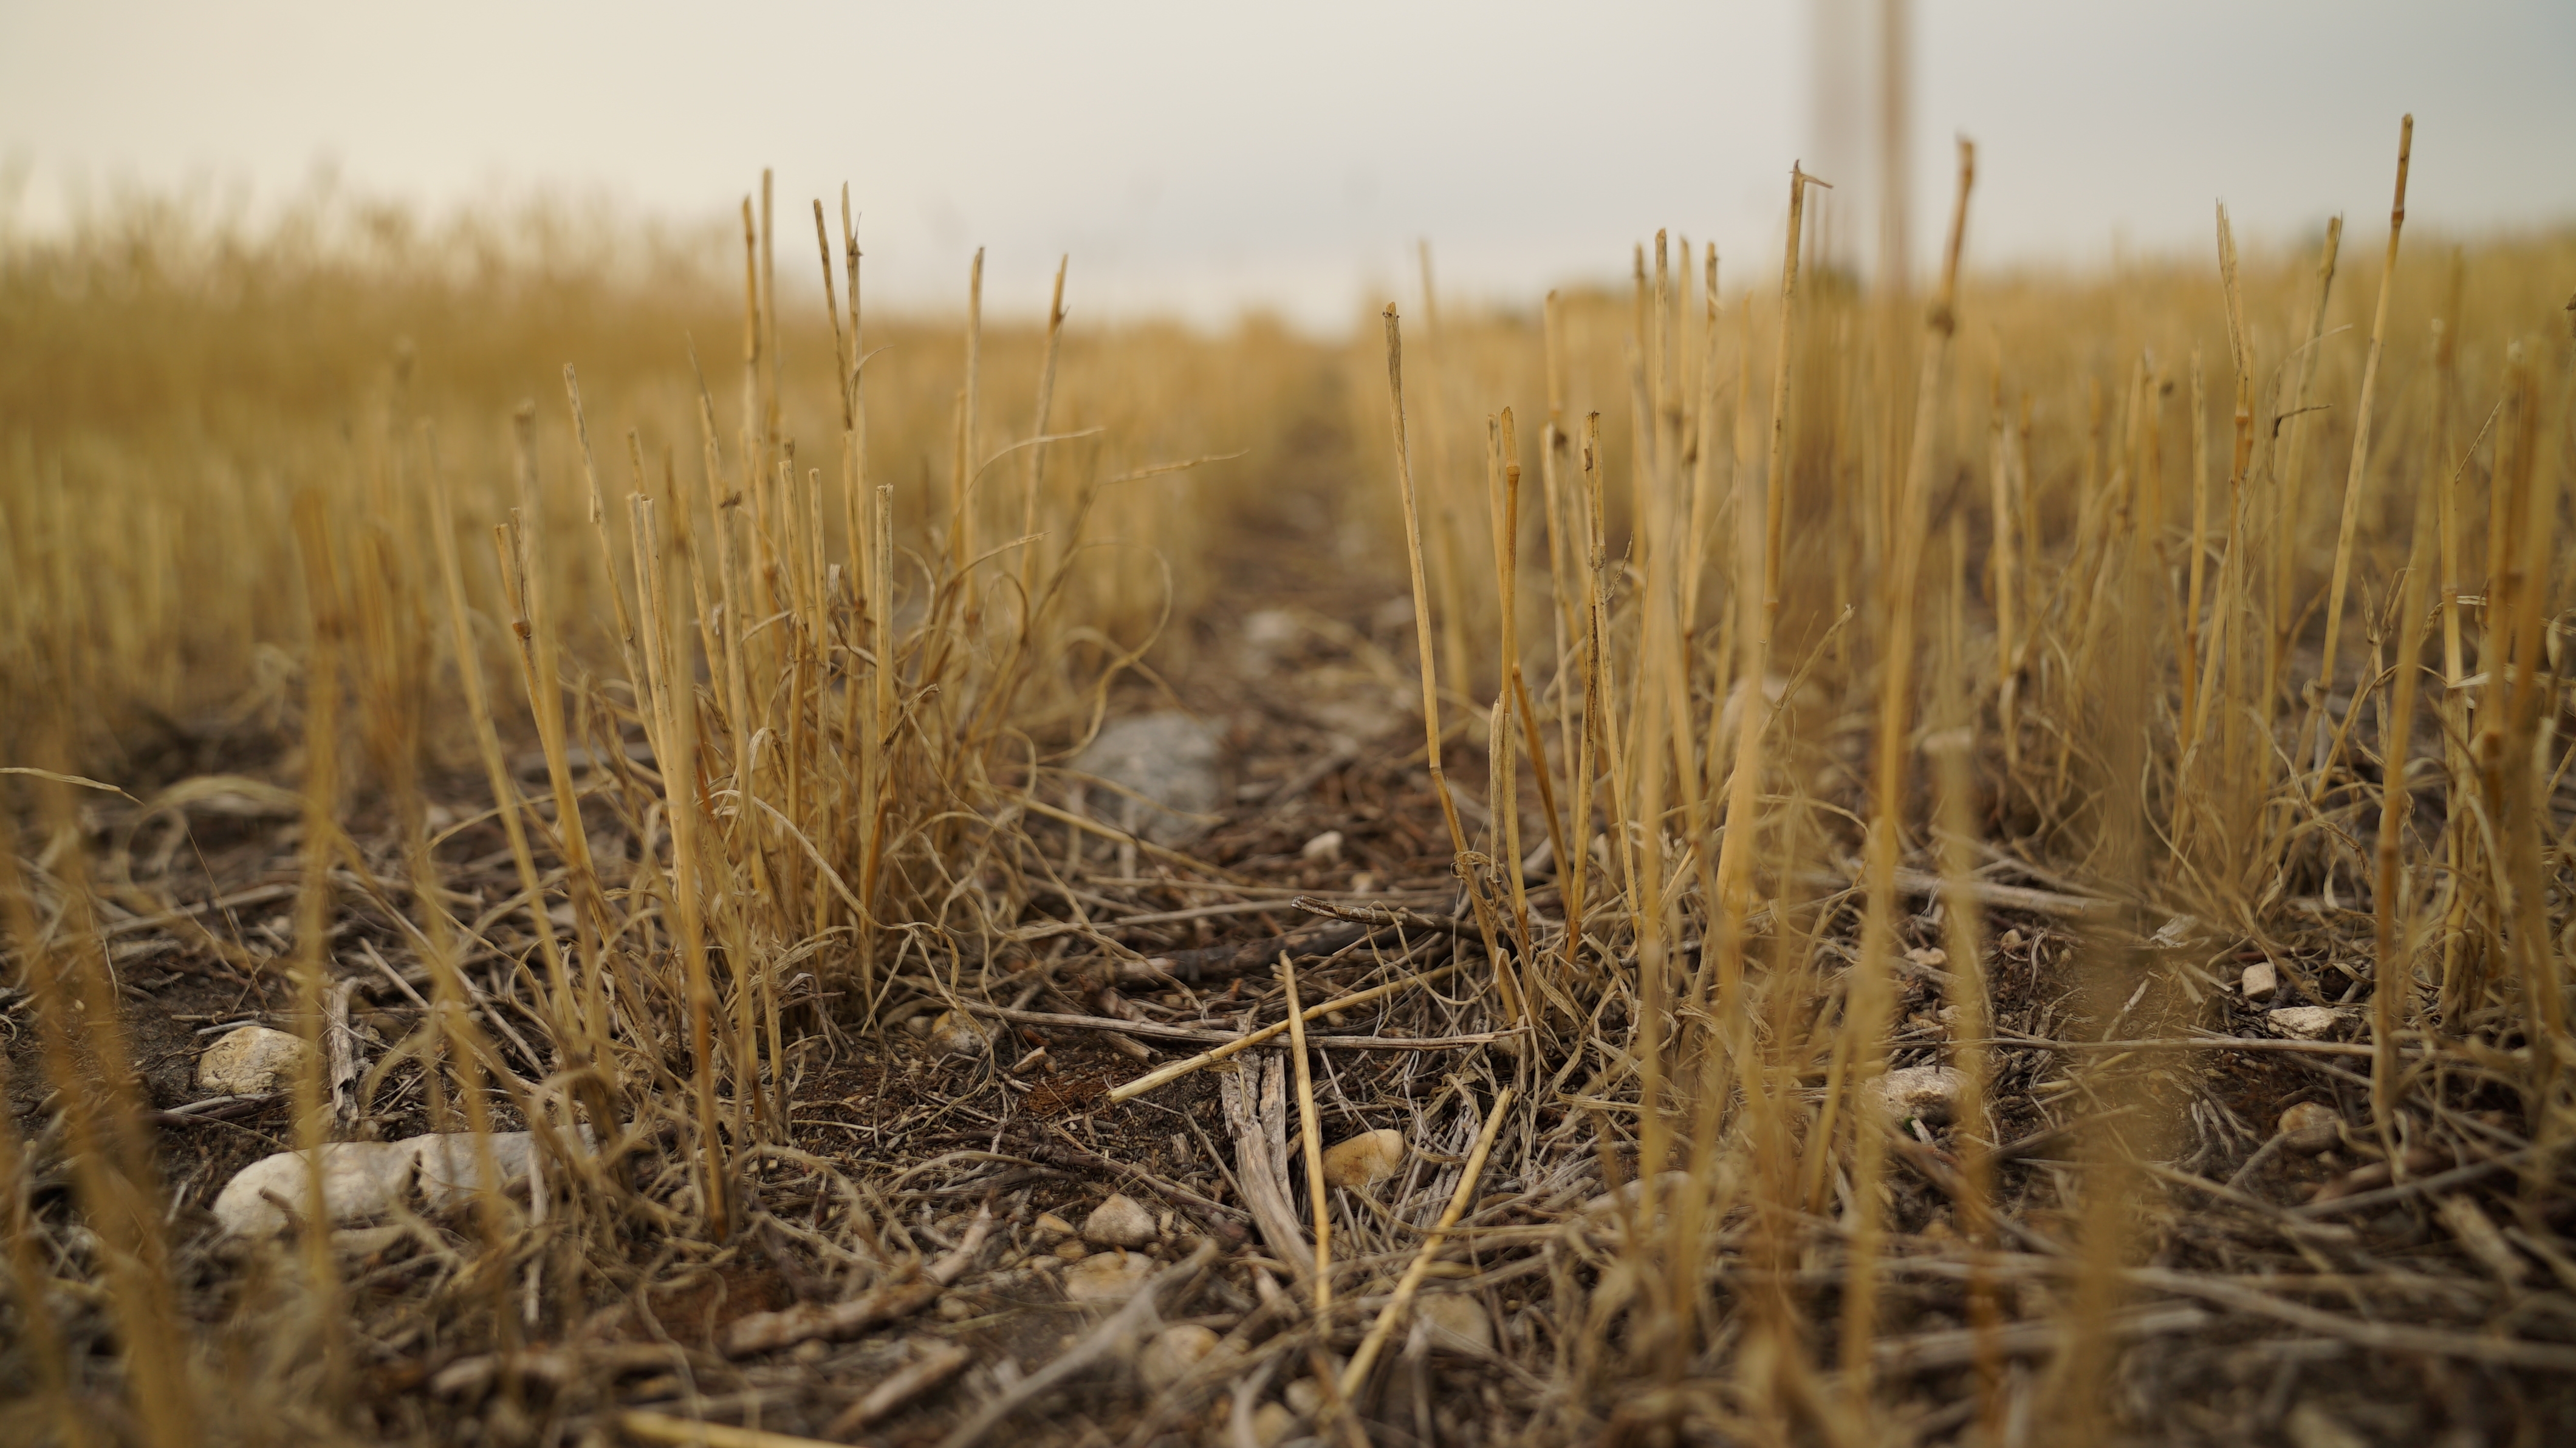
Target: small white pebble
pixel 1361 1160
pixel 1271 1424
pixel 2308 1128
pixel 1172 1353
pixel 2307 1023
pixel 1456 1321
pixel 958 1034
pixel 1118 1222
pixel 252 1061
pixel 1926 1093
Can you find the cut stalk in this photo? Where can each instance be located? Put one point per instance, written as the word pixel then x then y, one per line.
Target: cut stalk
pixel 1430 671
pixel 2360 465
pixel 1311 1130
pixel 1866 1025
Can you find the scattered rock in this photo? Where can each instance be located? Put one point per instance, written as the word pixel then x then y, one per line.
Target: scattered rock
pixel 1323 849
pixel 251 1061
pixel 1049 1227
pixel 1928 1093
pixel 2260 980
pixel 1303 1396
pixel 1111 1276
pixel 1268 633
pixel 1172 1353
pixel 953 1308
pixel 360 1180
pixel 1625 1199
pixel 2307 1023
pixel 1369 1157
pixel 1170 759
pixel 1271 1425
pixel 1456 1322
pixel 956 1033
pixel 2308 1128
pixel 449 1172
pixel 1119 1222
pixel 1071 1249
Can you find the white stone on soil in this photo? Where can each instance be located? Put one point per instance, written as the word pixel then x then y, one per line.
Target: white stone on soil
pixel 363 1180
pixel 956 1033
pixel 1107 1277
pixel 251 1061
pixel 1456 1322
pixel 1172 1353
pixel 1359 1161
pixel 1270 632
pixel 2307 1023
pixel 1168 758
pixel 1119 1222
pixel 2260 980
pixel 1271 1424
pixel 1930 1093
pixel 2308 1128
pixel 1624 1200
pixel 360 1180
pixel 450 1170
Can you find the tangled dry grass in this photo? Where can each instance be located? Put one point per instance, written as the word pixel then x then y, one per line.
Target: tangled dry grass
pixel 1984 867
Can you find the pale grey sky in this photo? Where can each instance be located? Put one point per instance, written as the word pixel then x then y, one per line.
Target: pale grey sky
pixel 1203 157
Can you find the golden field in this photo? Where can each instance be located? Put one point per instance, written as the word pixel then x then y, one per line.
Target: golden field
pixel 1822 772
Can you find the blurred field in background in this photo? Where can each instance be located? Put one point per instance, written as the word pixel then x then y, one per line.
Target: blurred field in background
pixel 2029 614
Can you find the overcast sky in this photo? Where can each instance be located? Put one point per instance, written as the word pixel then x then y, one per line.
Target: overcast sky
pixel 1204 157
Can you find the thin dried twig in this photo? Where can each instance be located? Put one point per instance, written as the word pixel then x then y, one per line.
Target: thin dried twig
pixel 1178 1069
